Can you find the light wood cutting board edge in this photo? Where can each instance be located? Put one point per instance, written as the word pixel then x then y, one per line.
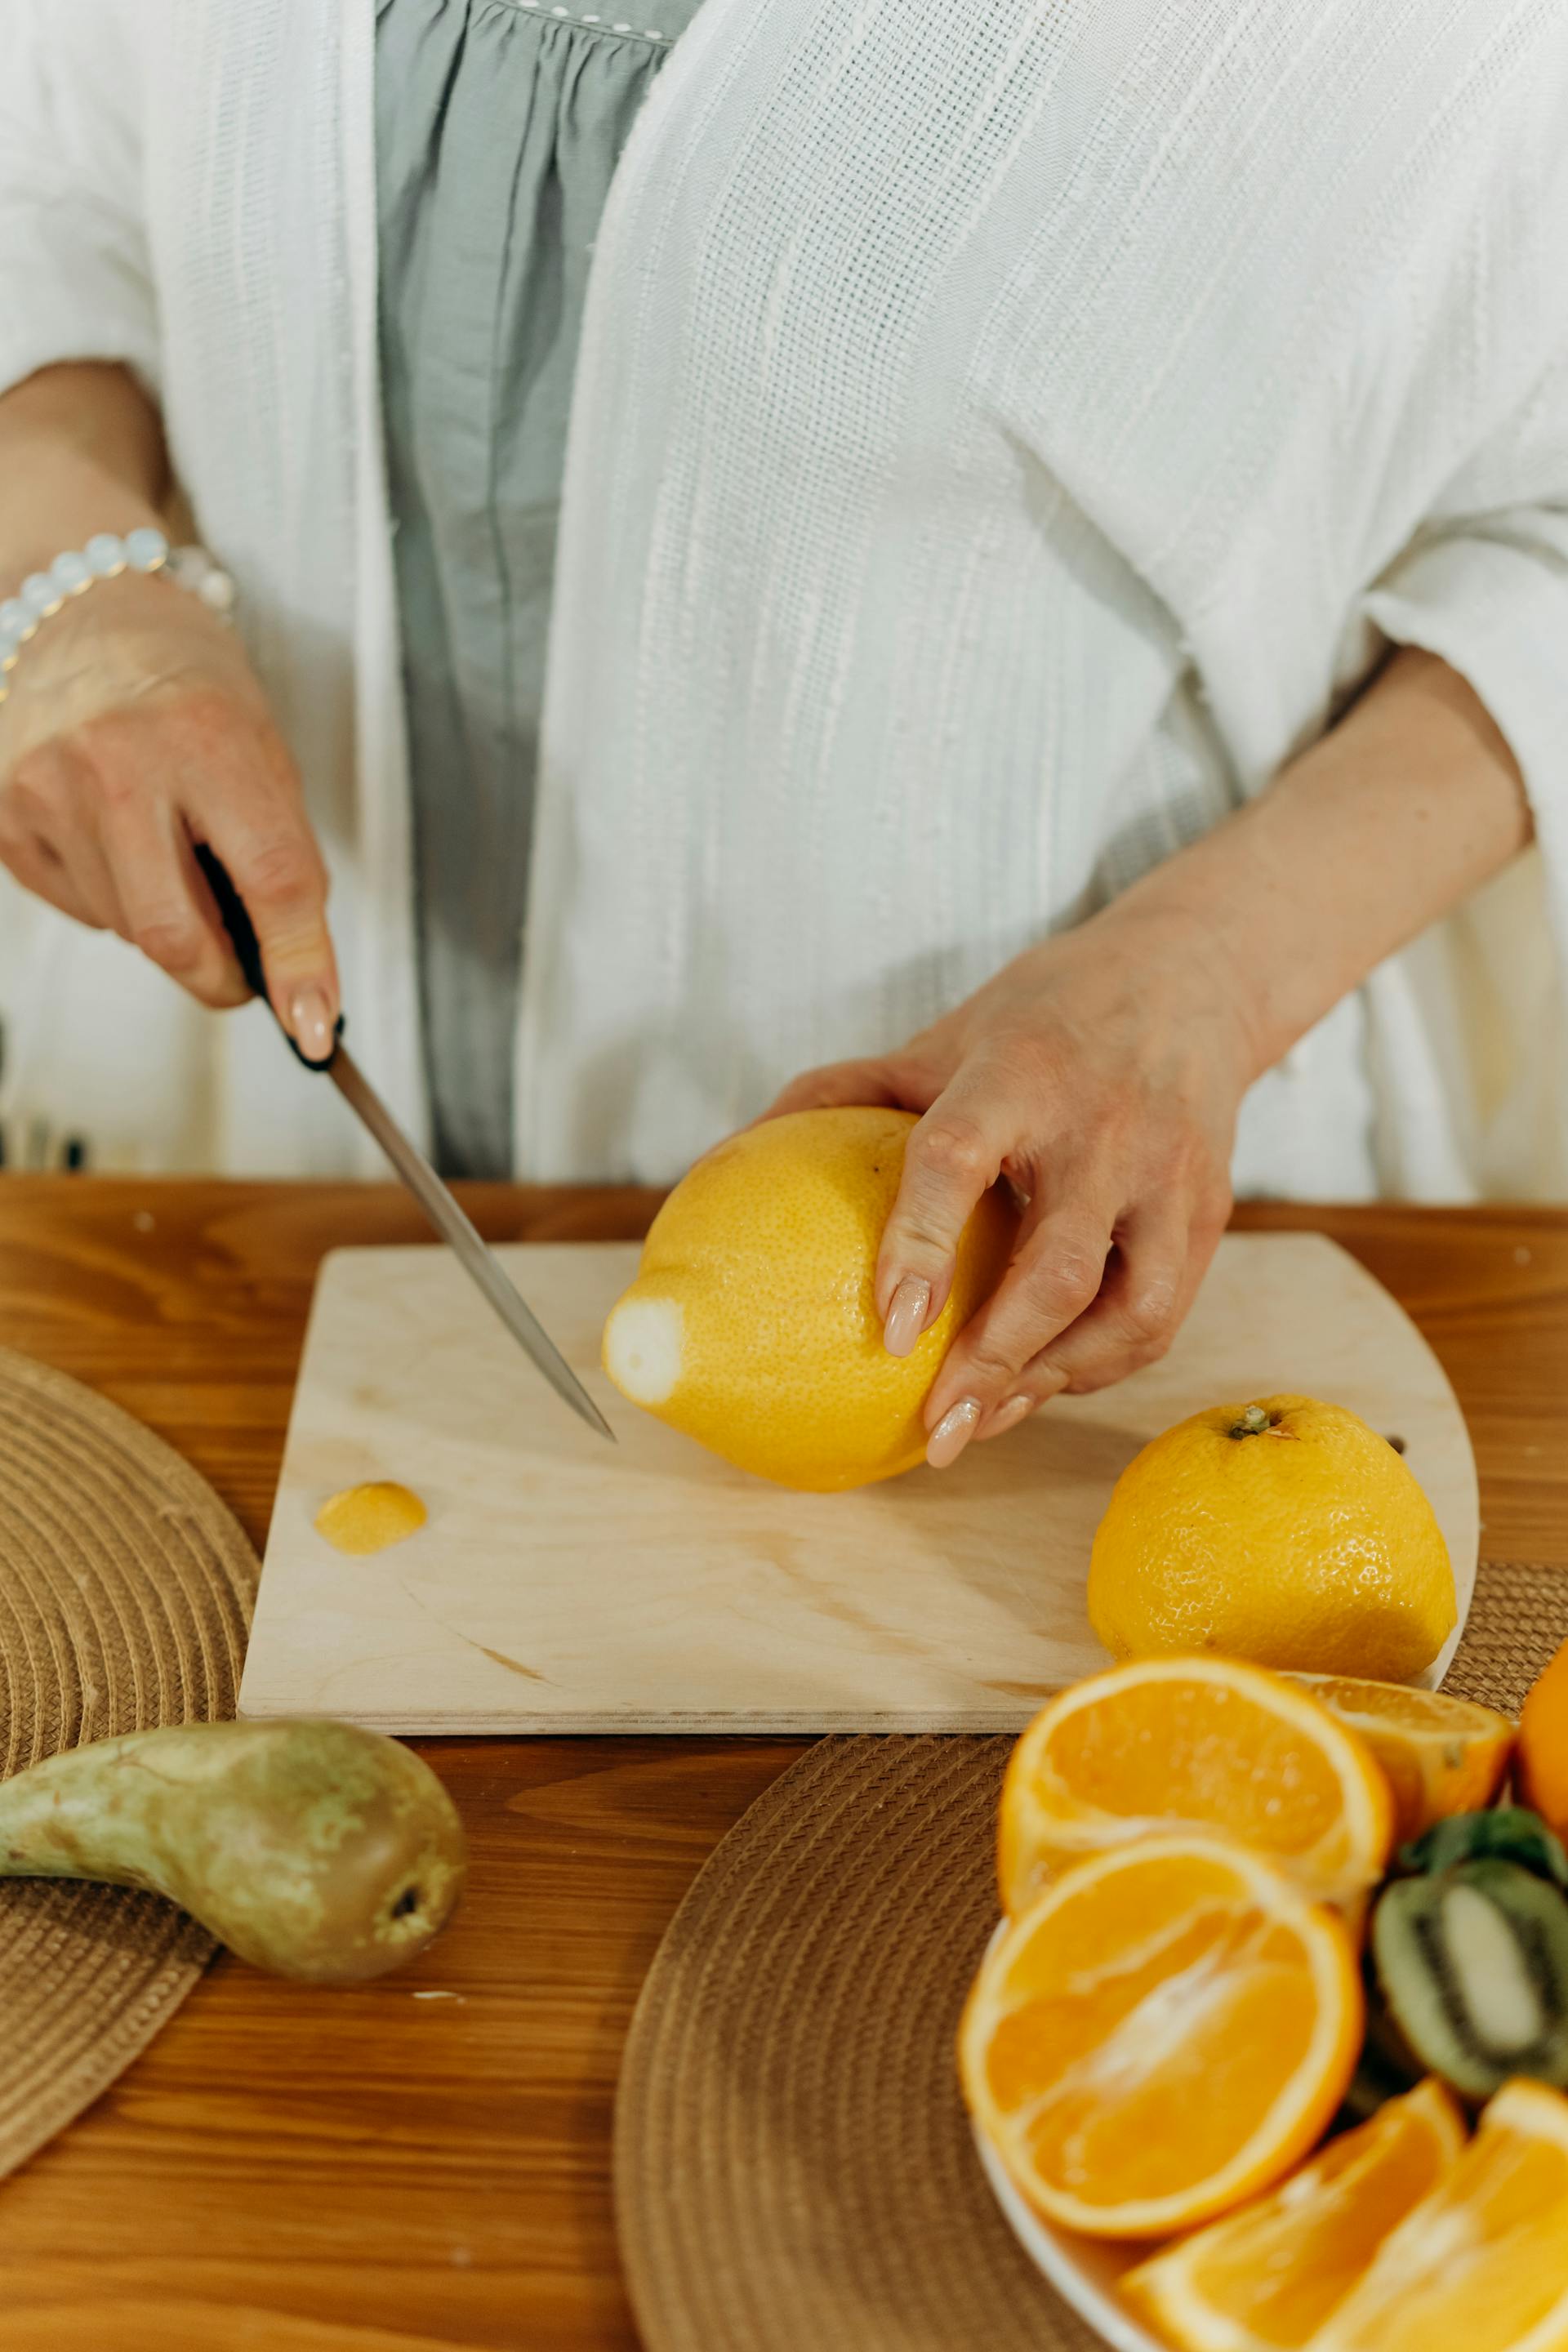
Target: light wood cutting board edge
pixel 1459 1510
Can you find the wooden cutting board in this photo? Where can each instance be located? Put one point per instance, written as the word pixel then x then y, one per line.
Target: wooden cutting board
pixel 564 1585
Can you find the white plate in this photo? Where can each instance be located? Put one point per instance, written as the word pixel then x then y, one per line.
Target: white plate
pixel 1083 2271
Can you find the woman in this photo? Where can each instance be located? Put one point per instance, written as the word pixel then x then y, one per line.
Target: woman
pixel 1063 574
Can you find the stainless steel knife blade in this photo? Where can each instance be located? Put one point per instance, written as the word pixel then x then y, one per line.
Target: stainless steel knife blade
pixel 473 1254
pixel 478 1260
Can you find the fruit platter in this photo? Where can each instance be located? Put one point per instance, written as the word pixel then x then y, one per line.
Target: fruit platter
pixel 1270 2049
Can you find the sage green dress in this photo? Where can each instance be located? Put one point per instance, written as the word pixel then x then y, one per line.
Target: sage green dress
pixel 499 123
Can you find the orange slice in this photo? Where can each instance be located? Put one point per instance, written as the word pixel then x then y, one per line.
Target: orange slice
pixel 1441 1755
pixel 1481 2265
pixel 1163 2034
pixel 1263 2279
pixel 1204 1744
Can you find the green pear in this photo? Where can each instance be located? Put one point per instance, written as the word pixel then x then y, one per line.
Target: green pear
pixel 312 1849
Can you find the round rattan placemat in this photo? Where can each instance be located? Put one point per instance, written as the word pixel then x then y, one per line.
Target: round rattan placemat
pixel 793 2172
pixel 125 1594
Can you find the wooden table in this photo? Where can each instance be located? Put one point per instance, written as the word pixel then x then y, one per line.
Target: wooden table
pixel 288 2171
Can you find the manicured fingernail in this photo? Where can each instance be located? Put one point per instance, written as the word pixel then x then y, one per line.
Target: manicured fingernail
pixel 310 1020
pixel 1007 1416
pixel 952 1433
pixel 907 1316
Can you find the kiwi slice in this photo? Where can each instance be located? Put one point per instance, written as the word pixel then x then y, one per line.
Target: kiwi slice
pixel 1473 1964
pixel 1507 1833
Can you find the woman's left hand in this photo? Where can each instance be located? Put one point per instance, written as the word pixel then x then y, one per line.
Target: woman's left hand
pixel 1100 1074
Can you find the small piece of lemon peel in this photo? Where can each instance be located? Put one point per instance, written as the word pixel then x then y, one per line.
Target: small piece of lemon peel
pixel 365 1519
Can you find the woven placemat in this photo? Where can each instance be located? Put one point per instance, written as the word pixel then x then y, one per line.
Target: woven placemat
pixel 125 1594
pixel 792 2165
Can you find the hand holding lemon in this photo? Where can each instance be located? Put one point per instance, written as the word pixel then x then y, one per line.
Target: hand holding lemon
pixel 752 1324
pixel 1282 1530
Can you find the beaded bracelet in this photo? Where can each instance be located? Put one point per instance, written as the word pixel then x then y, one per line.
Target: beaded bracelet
pixel 42 594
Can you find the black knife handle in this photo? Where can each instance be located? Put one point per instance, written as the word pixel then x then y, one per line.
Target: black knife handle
pixel 242 936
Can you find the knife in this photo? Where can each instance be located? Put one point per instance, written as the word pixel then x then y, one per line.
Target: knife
pixel 474 1255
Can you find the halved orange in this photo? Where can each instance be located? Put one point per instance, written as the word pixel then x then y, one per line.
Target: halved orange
pixel 1481 2264
pixel 1210 1745
pixel 1164 2032
pixel 1266 2277
pixel 1441 1755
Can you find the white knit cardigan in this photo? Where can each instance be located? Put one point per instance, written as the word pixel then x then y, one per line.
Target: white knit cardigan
pixel 1001 437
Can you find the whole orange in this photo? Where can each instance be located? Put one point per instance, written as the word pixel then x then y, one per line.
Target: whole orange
pixel 1541 1759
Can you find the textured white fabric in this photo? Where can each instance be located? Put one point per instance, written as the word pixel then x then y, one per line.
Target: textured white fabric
pixel 190 187
pixel 1001 438
pixel 996 434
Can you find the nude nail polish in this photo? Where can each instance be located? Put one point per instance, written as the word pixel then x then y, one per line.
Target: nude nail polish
pixel 907 1316
pixel 1007 1416
pixel 310 1022
pixel 952 1433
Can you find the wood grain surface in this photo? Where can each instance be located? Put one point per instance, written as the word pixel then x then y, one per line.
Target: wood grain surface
pixel 371 2171
pixel 564 1585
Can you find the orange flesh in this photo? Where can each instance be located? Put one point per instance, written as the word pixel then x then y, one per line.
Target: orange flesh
pixel 1199 1747
pixel 1203 1753
pixel 1107 1924
pixel 1243 2036
pixel 1393 1703
pixel 1281 2266
pixel 1441 1756
pixel 1146 2055
pixel 1479 2265
pixel 1327 2259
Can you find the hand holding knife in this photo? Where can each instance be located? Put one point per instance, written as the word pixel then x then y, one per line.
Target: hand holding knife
pixel 478 1262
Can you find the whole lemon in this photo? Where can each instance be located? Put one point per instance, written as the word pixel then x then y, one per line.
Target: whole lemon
pixel 752 1323
pixel 1285 1531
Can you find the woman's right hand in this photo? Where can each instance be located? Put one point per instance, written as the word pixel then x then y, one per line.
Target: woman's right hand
pixel 136 729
